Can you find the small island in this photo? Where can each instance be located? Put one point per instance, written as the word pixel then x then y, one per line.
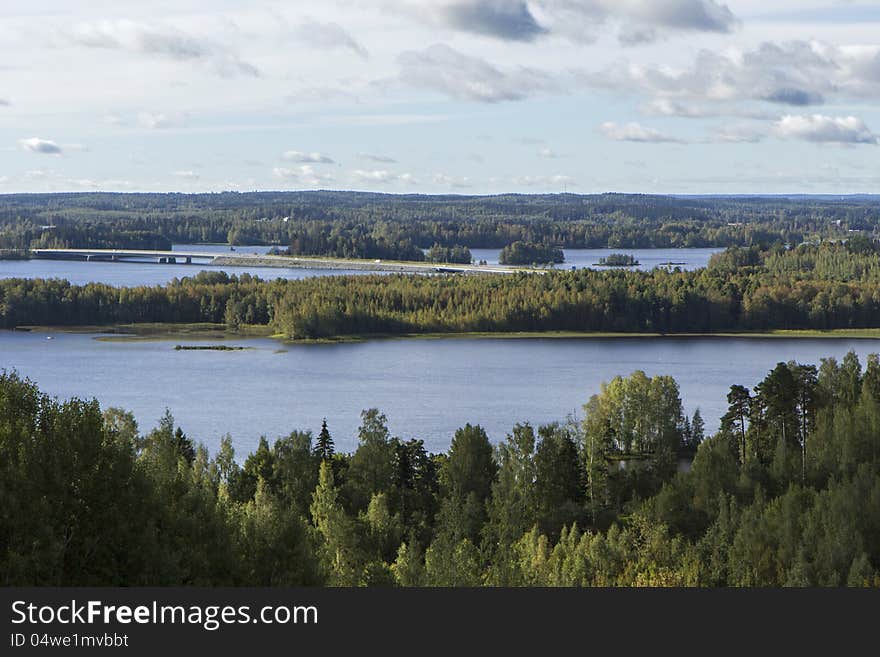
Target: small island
pixel 211 347
pixel 528 253
pixel 618 260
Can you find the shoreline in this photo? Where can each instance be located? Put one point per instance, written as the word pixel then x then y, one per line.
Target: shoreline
pixel 161 332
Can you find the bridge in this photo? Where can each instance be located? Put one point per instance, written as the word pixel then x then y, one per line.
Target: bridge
pixel 123 255
pixel 234 259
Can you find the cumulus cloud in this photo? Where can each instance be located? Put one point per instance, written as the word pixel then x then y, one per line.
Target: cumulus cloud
pixel 795 74
pixel 503 19
pixel 554 181
pixel 696 110
pixel 462 77
pixel 637 133
pixel 380 159
pixel 307 158
pixel 41 146
pixel 825 129
pixel 638 21
pixel 186 175
pixel 302 175
pixel 154 39
pixel 329 36
pixel 381 176
pixel 451 182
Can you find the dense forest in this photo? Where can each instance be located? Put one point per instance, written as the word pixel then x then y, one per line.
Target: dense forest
pixel 346 224
pixel 527 253
pixel 826 286
pixel 787 493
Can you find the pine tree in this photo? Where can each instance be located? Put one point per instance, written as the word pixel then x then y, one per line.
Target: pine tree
pixel 324 448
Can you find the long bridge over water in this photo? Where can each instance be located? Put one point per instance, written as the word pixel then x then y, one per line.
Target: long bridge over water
pixel 123 255
pixel 233 259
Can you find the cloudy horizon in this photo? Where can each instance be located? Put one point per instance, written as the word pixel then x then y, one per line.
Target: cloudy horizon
pixel 441 96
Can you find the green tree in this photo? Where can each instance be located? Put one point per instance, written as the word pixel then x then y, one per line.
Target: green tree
pixel 372 465
pixel 341 558
pixel 324 447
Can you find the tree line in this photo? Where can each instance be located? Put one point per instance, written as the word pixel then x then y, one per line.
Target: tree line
pixel 787 493
pixel 347 224
pixel 827 286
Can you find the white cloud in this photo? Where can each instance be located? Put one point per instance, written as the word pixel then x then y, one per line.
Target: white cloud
pixel 41 146
pixel 825 129
pixel 376 175
pixel 795 73
pixel 637 21
pixel 302 175
pixel 328 36
pixel 451 182
pixel 382 176
pixel 307 158
pixel 637 133
pixel 186 175
pixel 510 20
pixel 380 159
pixel 463 77
pixel 157 39
pixel 547 182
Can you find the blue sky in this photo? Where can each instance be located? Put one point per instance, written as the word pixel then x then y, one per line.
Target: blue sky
pixel 462 96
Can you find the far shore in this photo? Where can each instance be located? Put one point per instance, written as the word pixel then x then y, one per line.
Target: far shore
pixel 162 332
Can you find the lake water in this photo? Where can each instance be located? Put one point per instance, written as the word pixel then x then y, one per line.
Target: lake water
pixel 427 388
pixel 129 274
pixel 648 258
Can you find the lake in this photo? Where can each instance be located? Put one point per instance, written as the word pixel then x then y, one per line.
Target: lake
pixel 129 274
pixel 427 388
pixel 648 258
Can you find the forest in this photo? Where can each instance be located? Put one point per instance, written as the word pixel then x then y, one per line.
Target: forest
pixel 401 227
pixel 787 493
pixel 824 286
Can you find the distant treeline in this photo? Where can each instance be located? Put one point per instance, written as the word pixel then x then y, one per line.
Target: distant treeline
pixel 831 286
pixel 786 494
pixel 347 224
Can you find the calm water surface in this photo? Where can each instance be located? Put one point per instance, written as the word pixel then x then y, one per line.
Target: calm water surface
pixel 427 388
pixel 129 274
pixel 648 258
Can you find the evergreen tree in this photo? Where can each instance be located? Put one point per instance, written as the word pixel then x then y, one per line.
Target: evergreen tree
pixel 324 448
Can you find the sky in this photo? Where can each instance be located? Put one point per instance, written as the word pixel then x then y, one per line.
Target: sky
pixel 441 96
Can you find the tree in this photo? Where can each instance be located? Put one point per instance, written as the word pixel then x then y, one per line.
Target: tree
pixel 807 383
pixel 295 470
pixel 324 447
pixel 736 419
pixel 466 478
pixel 275 546
pixel 512 505
pixel 121 424
pixel 778 392
pixel 340 556
pixel 372 465
pixel 559 489
pixel 416 487
pixel 409 567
